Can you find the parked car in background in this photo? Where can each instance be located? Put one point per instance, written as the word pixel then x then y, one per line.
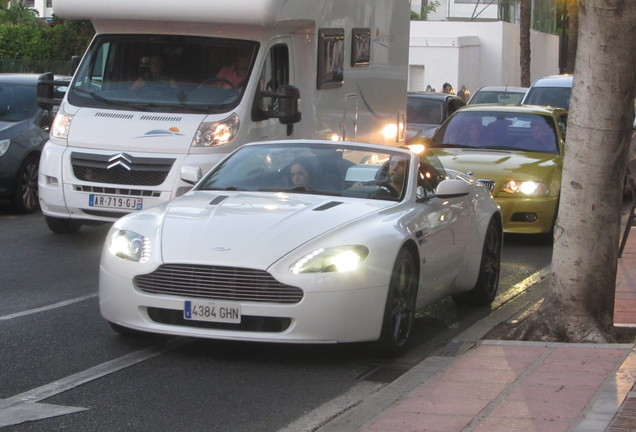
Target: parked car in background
pixel 552 90
pixel 347 252
pixel 517 151
pixel 24 128
pixel 498 94
pixel 426 111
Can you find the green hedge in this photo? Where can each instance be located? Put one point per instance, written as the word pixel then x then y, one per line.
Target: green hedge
pixel 26 48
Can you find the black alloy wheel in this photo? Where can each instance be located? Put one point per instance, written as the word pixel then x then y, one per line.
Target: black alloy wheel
pixel 26 198
pixel 399 312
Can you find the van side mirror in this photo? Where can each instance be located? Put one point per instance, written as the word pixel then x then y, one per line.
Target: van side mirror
pixel 48 93
pixel 45 90
pixel 75 61
pixel 285 101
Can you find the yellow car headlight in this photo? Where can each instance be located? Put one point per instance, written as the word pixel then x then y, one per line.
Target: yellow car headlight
pixel 526 187
pixel 338 259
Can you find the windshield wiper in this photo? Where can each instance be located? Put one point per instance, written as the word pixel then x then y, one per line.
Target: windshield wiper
pixel 108 101
pixel 448 145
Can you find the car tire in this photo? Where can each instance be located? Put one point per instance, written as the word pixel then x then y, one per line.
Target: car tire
pixel 63 226
pixel 485 290
pixel 399 310
pixel 25 198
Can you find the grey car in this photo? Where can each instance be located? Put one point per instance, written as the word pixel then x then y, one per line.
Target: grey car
pixel 24 128
pixel 426 111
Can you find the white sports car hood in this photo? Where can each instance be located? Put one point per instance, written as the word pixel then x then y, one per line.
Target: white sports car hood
pixel 259 228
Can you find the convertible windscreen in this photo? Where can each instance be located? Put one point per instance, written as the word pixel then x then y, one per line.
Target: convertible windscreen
pixel 313 169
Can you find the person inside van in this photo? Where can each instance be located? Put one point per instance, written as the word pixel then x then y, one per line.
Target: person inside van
pixel 153 72
pixel 236 72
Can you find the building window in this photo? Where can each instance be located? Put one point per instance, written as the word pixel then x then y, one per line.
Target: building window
pixel 49 3
pixel 30 3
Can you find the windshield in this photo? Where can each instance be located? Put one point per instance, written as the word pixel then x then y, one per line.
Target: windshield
pixel 425 111
pixel 498 130
pixel 324 169
pixel 164 73
pixel 549 96
pixel 17 102
pixel 504 97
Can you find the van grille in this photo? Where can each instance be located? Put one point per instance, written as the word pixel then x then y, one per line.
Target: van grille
pixel 217 283
pixel 120 169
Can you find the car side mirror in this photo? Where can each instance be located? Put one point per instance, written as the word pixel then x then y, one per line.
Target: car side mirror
pixel 191 174
pixel 452 188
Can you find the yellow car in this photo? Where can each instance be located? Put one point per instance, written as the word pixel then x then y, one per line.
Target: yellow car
pixel 517 151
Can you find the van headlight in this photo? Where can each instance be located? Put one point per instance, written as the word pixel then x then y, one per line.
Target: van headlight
pixel 211 134
pixel 337 259
pixel 61 124
pixel 526 187
pixel 129 245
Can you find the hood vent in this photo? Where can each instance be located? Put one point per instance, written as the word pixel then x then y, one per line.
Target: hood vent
pixel 160 118
pixel 218 200
pixel 114 115
pixel 328 205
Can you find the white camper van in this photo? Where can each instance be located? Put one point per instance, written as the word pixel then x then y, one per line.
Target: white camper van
pixel 184 83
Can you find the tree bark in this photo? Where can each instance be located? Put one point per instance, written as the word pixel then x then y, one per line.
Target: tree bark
pixel 525 12
pixel 580 300
pixel 573 31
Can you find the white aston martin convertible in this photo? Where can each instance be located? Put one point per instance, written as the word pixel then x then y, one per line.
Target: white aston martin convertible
pixel 304 242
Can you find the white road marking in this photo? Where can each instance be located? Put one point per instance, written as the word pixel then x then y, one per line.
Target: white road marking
pixel 24 407
pixel 47 307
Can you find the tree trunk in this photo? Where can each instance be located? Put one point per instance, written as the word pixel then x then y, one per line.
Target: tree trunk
pixel 579 304
pixel 573 31
pixel 525 11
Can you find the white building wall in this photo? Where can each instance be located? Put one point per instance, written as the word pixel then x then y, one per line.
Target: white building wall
pixel 475 54
pixel 41 7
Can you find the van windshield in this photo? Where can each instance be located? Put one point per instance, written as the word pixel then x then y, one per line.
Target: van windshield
pixel 164 73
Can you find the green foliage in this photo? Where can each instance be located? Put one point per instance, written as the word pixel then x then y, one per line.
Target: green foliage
pixel 29 43
pixel 428 7
pixel 19 13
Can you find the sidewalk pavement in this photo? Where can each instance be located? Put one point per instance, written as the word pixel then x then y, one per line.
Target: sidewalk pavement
pixel 507 386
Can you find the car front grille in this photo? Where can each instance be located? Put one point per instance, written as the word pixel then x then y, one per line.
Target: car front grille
pixel 120 169
pixel 217 283
pixel 490 184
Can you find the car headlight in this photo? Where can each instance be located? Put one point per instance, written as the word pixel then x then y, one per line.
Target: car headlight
pixel 211 134
pixel 337 259
pixel 4 146
pixel 129 245
pixel 525 187
pixel 61 124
